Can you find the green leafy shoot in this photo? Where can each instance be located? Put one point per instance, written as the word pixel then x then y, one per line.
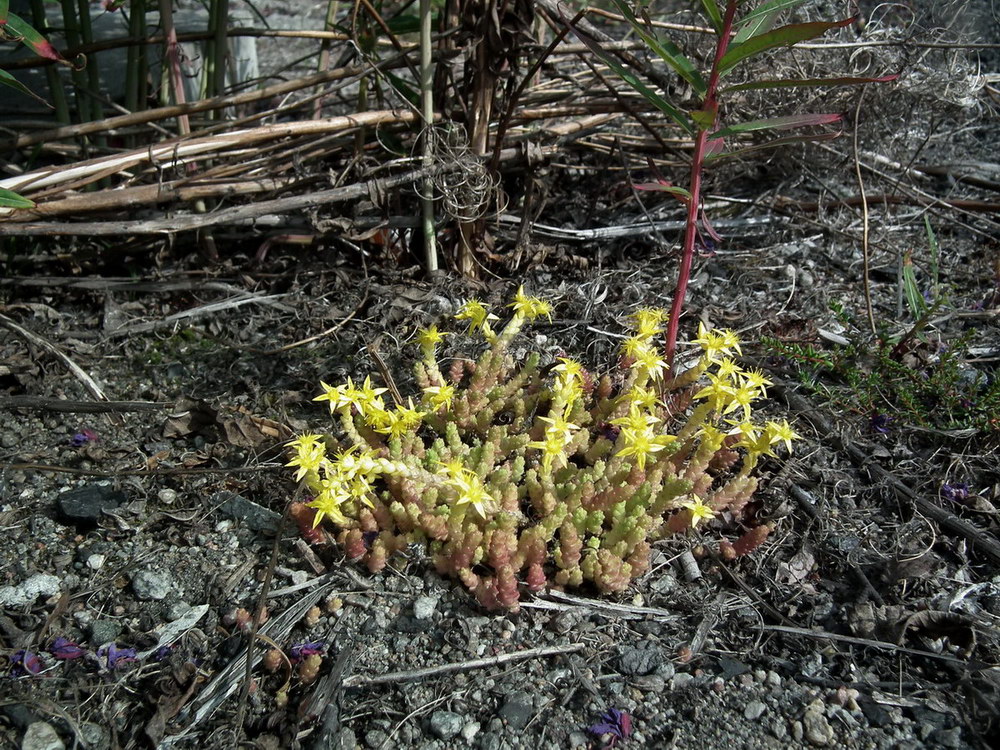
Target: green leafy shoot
pixel 667 50
pixel 714 14
pixel 773 143
pixel 635 82
pixel 761 19
pixel 777 123
pixel 785 36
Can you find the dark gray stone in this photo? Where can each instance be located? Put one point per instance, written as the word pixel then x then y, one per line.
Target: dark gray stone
pixel 517 710
pixel 104 631
pixel 253 516
pixel 84 505
pixel 639 660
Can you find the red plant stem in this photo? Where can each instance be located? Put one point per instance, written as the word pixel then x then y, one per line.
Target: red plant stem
pixel 709 105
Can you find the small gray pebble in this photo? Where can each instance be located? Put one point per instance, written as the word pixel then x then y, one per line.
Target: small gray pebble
pixel 167 496
pixel 446 724
pixel 96 736
pixel 41 736
pixel 815 726
pixel 754 710
pixel 470 730
pixel 424 606
pixel 38 585
pixel 151 584
pixel 681 680
pixel 490 741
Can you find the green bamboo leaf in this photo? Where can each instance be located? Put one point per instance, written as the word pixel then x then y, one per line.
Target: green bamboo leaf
pixel 783 83
pixel 714 14
pixel 632 80
pixel 774 143
pixel 667 50
pixel 6 79
pixel 785 36
pixel 27 34
pixel 761 19
pixel 10 199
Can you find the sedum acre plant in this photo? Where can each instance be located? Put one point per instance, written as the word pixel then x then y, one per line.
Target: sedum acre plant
pixel 513 472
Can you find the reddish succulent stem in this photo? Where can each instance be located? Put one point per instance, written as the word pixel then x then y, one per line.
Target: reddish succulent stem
pixel 709 105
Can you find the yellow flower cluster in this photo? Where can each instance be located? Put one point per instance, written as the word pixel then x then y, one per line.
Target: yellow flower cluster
pixel 345 478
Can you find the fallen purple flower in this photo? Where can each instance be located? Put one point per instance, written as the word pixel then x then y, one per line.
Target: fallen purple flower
pixel 112 657
pixel 300 651
pixel 83 437
pixel 880 423
pixel 617 724
pixel 161 653
pixel 24 663
pixel 63 648
pixel 956 493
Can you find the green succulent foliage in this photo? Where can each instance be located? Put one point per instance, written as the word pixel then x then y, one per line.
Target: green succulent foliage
pixel 512 474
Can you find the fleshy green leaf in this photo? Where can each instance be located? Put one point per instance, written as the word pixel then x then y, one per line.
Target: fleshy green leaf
pixel 27 34
pixel 761 19
pixel 807 82
pixel 632 80
pixel 6 79
pixel 785 36
pixel 667 50
pixel 776 123
pixel 10 199
pixel 713 13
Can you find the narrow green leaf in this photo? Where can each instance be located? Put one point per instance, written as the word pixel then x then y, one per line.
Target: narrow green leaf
pixel 914 299
pixel 665 187
pixel 774 143
pixel 776 123
pixel 27 34
pixel 667 50
pixel 6 79
pixel 785 36
pixel 4 10
pixel 714 14
pixel 632 80
pixel 10 199
pixel 761 19
pixel 806 82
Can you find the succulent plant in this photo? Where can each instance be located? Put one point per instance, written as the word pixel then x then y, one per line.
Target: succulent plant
pixel 511 473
